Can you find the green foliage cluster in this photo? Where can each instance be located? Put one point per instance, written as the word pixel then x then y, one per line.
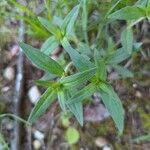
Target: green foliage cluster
pixel 3 143
pixel 83 32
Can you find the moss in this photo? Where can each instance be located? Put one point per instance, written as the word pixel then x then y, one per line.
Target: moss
pixel 2 107
pixel 145 118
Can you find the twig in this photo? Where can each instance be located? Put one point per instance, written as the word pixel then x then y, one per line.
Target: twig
pixel 129 62
pixel 15 143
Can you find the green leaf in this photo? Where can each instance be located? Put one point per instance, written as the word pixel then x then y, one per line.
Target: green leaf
pixel 113 7
pixel 101 71
pixel 141 138
pixel 82 94
pixel 124 72
pixel 127 40
pixel 72 135
pixel 41 60
pixel 49 45
pixel 69 21
pixel 78 78
pixel 137 46
pixel 43 103
pixel 44 83
pixel 61 100
pixel 65 120
pixel 4 144
pixel 84 20
pixel 49 10
pixel 141 3
pixel 77 110
pixel 148 4
pixel 48 76
pixel 34 25
pixel 78 60
pixel 148 11
pixel 113 105
pixel 21 7
pixel 117 57
pixel 84 48
pixel 50 27
pixel 128 13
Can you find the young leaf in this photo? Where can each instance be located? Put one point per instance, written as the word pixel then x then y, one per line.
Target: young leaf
pixel 82 94
pixel 48 76
pixel 76 108
pixel 61 100
pixel 72 135
pixel 41 60
pixel 128 13
pixel 42 104
pixel 113 105
pixel 124 72
pixel 141 3
pixel 45 83
pixel 101 71
pixel 113 7
pixel 4 144
pixel 69 21
pixel 117 57
pixel 84 20
pixel 21 7
pixel 50 27
pixel 127 40
pixel 34 25
pixel 84 49
pixel 49 45
pixel 78 78
pixel 78 60
pixel 49 10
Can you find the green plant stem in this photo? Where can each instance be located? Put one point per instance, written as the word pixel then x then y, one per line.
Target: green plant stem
pixel 142 138
pixel 84 21
pixel 104 22
pixel 15 117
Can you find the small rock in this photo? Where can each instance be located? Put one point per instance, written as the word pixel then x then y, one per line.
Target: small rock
pixel 38 135
pixel 10 126
pixel 134 85
pixel 36 144
pixel 9 73
pixel 1 146
pixel 7 124
pixel 54 138
pixel 101 142
pixel 14 49
pixel 34 94
pixel 5 89
pixel 95 113
pixel 113 76
pixel 64 146
pixel 132 107
pixel 107 147
pixel 138 94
